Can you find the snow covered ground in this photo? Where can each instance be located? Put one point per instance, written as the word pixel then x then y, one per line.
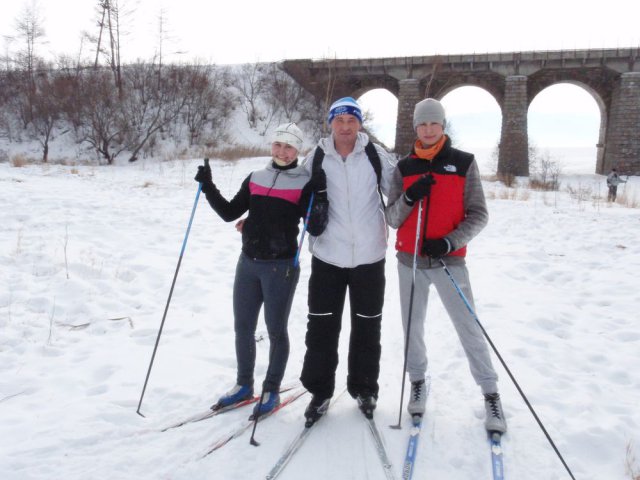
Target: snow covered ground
pixel 87 255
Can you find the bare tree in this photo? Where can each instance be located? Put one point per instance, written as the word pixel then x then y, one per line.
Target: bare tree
pixel 163 37
pixel 207 98
pixel 113 23
pixel 102 13
pixel 29 26
pixel 283 94
pixel 111 17
pixel 544 170
pixel 102 126
pixel 150 106
pixel 250 85
pixel 46 110
pixel 10 88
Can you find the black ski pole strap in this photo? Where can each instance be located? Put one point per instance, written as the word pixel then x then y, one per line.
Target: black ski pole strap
pixel 376 163
pixel 374 158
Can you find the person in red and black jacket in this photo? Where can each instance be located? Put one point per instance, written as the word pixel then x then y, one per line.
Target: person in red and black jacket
pixel 443 184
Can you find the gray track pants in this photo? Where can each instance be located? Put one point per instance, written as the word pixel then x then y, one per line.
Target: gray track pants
pixel 469 332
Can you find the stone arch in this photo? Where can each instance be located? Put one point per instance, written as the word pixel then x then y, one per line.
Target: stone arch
pixel 461 134
pixel 492 84
pixel 384 109
pixel 600 103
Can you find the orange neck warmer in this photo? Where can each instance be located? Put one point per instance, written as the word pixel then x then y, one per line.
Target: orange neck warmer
pixel 429 153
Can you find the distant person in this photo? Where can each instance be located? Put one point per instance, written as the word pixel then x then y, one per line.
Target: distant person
pixel 445 183
pixel 348 256
pixel 613 180
pixel 276 197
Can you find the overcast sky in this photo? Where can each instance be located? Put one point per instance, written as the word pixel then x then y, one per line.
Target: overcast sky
pixel 256 30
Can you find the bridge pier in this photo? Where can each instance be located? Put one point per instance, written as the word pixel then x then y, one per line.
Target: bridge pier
pixel 408 95
pixel 622 146
pixel 513 157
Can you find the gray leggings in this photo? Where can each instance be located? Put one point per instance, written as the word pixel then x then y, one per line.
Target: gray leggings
pixel 469 333
pixel 259 282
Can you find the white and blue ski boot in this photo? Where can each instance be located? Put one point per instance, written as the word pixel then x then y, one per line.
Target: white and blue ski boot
pixel 270 401
pixel 235 395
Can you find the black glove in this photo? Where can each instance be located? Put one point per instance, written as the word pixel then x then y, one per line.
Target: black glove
pixel 319 217
pixel 420 188
pixel 204 175
pixel 318 181
pixel 436 247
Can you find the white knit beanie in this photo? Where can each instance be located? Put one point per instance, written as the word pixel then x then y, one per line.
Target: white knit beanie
pixel 289 133
pixel 428 110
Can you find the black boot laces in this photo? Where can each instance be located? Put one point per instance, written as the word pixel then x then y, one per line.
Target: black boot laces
pixel 493 405
pixel 417 391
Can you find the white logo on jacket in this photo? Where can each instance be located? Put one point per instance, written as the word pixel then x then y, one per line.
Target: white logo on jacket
pixel 450 168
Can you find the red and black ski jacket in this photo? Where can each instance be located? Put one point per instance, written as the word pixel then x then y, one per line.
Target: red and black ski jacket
pixel 445 209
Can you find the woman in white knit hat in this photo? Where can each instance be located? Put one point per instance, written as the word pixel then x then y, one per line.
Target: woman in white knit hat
pixel 276 197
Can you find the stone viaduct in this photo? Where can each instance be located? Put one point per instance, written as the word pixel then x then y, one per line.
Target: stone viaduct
pixel 611 76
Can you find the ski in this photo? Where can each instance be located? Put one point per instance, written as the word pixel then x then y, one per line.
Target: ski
pixel 295 445
pixel 249 423
pixel 380 449
pixel 497 465
pixel 414 435
pixel 211 412
pixel 289 452
pixel 412 448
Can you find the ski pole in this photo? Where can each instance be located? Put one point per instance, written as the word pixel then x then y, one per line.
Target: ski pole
pixel 524 397
pixel 173 283
pixel 294 282
pixel 411 294
pixel 413 286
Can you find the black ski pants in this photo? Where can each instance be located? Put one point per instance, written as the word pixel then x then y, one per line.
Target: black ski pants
pixel 328 285
pixel 261 283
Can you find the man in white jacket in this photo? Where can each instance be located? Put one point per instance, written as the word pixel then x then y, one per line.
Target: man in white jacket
pixel 348 255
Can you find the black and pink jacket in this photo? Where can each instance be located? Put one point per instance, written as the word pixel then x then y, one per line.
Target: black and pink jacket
pixel 276 199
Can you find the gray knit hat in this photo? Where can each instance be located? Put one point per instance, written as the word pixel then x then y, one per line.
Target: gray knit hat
pixel 428 110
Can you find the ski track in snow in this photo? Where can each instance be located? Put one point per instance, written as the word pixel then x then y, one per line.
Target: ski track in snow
pixel 87 259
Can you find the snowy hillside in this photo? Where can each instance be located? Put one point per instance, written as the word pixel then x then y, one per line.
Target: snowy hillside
pixel 87 255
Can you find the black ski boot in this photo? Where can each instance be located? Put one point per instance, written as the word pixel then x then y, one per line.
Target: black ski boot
pixel 367 404
pixel 316 408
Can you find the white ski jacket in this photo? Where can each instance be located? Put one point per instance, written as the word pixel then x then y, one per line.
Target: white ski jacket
pixel 356 233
